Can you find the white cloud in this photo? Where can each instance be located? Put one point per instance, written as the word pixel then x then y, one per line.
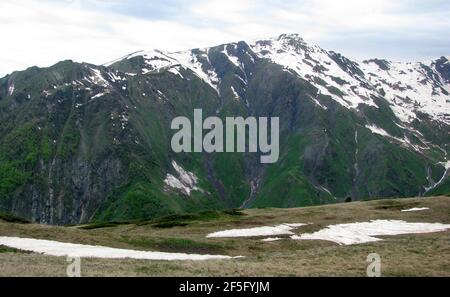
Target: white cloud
pixel 45 32
pixel 231 11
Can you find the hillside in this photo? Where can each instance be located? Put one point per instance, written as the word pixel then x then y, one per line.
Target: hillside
pixel 84 143
pixel 420 254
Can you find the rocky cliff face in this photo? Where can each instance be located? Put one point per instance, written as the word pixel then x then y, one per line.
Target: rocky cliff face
pixel 82 142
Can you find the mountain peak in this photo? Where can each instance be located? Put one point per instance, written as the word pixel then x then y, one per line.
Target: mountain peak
pixel 358 82
pixel 367 129
pixel 291 36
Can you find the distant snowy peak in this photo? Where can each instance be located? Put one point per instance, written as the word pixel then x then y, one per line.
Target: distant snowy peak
pixel 410 88
pixel 156 60
pixel 195 60
pixel 333 74
pixel 205 63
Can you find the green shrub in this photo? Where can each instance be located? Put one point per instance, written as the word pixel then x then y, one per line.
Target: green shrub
pixel 100 225
pixel 10 218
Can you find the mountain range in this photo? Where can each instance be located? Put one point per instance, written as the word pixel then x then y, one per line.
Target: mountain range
pixel 82 142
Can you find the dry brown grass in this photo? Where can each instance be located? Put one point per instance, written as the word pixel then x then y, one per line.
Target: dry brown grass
pixel 406 255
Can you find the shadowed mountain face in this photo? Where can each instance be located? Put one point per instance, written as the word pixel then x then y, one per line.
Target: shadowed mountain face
pixel 81 142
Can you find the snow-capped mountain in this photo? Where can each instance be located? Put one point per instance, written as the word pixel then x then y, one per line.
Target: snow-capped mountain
pixel 409 87
pixel 84 142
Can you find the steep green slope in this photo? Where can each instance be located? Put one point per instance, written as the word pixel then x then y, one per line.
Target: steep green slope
pixel 82 142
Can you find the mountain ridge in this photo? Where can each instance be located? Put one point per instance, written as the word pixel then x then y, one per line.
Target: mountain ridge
pixel 85 142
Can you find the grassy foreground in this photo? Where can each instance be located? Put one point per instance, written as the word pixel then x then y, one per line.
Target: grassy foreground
pixel 401 255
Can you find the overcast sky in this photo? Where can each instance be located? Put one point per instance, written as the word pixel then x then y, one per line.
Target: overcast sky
pixel 43 32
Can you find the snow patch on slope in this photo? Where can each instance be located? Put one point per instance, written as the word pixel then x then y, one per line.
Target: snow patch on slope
pixel 236 95
pixel 231 58
pixel 11 89
pixel 405 141
pixel 411 87
pixel 312 63
pixel 97 78
pixel 99 95
pixel 61 249
pixel 446 165
pixel 356 233
pixel 441 180
pixel 157 60
pixel 190 61
pixel 271 239
pixel 115 76
pixel 377 130
pixel 176 70
pixel 408 87
pixel 283 229
pixel 185 181
pixel 415 209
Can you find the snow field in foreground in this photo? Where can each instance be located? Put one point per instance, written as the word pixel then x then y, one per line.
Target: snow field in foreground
pixel 343 234
pixel 59 249
pixel 355 233
pixel 283 229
